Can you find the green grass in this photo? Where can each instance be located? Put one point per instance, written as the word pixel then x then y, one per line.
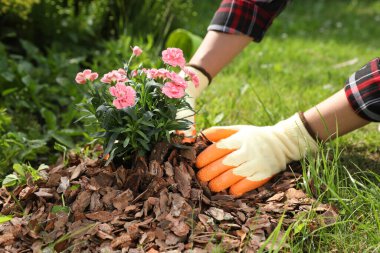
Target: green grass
pixel 292 70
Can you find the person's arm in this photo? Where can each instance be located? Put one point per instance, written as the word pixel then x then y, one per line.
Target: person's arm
pixel 243 158
pixel 333 117
pixel 218 49
pixel 235 24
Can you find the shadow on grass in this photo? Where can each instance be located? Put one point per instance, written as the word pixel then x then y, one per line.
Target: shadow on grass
pixel 360 157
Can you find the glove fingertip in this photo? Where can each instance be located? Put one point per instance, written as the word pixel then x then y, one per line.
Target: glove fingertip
pixel 246 185
pixel 215 134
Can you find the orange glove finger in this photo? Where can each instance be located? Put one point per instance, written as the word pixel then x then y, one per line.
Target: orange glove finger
pixel 246 185
pixel 210 154
pixel 212 170
pixel 215 134
pixel 224 181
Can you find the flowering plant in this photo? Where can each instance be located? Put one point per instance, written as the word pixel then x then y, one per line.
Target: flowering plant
pixel 136 108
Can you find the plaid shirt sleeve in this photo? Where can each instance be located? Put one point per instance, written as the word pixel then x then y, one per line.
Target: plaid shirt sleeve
pixel 249 17
pixel 363 91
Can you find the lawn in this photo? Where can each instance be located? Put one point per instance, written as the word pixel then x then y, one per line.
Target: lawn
pixel 297 65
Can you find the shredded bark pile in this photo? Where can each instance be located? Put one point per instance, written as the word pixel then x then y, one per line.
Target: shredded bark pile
pixel 159 205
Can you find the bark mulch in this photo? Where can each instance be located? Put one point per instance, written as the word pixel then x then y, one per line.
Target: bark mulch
pixel 158 206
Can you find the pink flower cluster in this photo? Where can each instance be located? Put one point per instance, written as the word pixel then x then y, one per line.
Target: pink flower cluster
pixel 174 57
pixel 125 95
pixel 176 85
pixel 86 75
pixel 175 88
pixel 115 76
pixel 172 90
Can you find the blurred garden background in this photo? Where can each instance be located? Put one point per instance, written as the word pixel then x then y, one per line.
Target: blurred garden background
pixel 307 54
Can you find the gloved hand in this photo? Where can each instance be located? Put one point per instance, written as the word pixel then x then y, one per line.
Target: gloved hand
pixel 245 157
pixel 193 93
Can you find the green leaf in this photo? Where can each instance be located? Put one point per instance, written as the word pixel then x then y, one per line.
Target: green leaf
pixel 31 49
pixel 9 76
pixel 117 130
pixel 74 187
pixel 10 180
pixel 43 167
pixel 5 218
pixel 147 123
pixel 142 135
pixel 126 142
pixel 19 169
pixel 298 228
pixel 112 155
pixel 8 91
pixel 111 142
pixel 57 209
pixel 131 112
pixel 60 147
pixel 65 140
pixel 144 144
pixel 50 118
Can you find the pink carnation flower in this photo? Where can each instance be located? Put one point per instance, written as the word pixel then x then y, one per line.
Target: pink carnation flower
pixel 121 103
pixel 136 50
pixel 177 79
pixel 172 90
pixel 157 73
pixel 86 75
pixel 173 57
pixel 125 95
pixel 114 76
pixel 194 78
pixel 122 71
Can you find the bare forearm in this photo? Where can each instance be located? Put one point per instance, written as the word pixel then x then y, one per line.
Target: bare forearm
pixel 218 49
pixel 334 116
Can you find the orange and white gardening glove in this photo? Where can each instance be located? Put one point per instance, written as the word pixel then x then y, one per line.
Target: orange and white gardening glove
pixel 245 157
pixel 193 93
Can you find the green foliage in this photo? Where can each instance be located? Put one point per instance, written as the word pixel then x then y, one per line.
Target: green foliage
pixel 35 88
pixel 138 18
pixel 15 146
pixel 79 24
pixel 40 103
pixel 22 172
pixel 19 8
pixel 5 120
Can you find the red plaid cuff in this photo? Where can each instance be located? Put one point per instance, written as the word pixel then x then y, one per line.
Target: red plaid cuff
pixel 249 17
pixel 363 91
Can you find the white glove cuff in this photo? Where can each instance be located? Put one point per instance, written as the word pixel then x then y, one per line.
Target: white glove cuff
pixel 296 131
